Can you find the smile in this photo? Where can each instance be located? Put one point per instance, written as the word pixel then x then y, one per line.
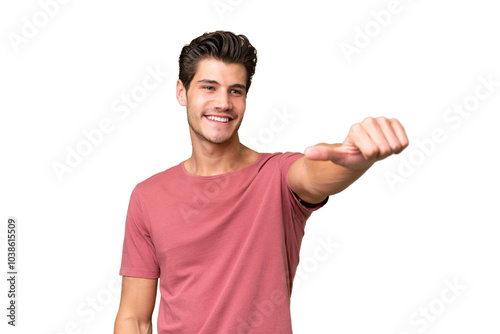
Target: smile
pixel 218 119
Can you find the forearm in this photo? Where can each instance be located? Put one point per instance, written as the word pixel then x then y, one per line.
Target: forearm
pixel 132 326
pixel 136 306
pixel 314 180
pixel 326 178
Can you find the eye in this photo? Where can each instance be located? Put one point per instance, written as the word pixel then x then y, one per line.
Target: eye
pixel 208 88
pixel 236 91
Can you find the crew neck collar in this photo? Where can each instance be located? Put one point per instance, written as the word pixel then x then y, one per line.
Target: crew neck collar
pixel 206 177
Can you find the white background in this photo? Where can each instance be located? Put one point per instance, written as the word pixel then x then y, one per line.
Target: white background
pixel 397 245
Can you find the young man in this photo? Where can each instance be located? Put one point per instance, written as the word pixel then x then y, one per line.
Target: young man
pixel 222 230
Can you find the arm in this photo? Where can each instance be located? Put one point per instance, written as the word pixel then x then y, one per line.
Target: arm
pixel 327 169
pixel 136 306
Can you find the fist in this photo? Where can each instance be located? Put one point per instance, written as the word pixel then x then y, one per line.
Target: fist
pixel 372 140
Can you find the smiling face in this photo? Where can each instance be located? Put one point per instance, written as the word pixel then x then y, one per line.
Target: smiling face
pixel 216 101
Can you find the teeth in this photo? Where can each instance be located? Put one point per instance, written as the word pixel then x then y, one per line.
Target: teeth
pixel 218 119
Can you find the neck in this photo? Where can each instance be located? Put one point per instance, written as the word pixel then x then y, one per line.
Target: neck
pixel 209 159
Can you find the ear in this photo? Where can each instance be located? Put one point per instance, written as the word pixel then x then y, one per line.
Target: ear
pixel 181 93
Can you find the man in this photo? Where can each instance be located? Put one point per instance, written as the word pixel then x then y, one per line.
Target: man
pixel 222 230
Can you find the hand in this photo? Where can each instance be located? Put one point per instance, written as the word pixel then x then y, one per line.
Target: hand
pixel 372 140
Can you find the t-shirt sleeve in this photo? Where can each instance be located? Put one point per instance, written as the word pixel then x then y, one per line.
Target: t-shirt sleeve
pixel 138 255
pixel 299 206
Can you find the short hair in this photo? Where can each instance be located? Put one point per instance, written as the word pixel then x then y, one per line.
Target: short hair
pixel 220 45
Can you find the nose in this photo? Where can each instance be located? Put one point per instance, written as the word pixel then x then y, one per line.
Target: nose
pixel 222 101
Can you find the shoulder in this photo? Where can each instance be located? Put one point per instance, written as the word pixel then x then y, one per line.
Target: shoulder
pixel 281 157
pixel 286 159
pixel 161 178
pixel 279 161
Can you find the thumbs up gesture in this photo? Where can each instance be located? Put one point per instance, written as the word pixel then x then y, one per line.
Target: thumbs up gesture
pixel 372 140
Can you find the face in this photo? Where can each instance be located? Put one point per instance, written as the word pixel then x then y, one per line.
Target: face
pixel 216 101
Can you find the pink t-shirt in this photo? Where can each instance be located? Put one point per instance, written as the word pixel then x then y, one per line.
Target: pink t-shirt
pixel 225 247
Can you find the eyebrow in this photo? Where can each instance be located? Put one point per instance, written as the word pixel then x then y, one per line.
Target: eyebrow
pixel 214 82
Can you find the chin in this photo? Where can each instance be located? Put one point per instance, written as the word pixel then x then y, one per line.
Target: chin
pixel 220 140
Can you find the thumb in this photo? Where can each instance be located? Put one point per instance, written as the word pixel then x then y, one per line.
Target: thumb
pixel 324 152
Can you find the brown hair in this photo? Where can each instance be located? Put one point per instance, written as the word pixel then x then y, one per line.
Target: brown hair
pixel 221 45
